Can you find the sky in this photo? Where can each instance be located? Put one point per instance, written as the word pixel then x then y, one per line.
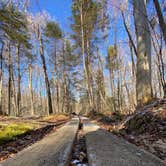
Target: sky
pixel 60 10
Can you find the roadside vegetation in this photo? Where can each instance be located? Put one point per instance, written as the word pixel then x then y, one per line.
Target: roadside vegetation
pixel 11 131
pixel 108 63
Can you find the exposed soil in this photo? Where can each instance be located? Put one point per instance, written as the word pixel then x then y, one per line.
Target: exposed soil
pixel 146 128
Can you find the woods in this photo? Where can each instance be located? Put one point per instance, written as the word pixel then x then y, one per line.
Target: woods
pixel 112 59
pixel 75 72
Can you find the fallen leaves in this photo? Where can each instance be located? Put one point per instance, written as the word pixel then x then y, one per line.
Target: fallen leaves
pixel 20 142
pixel 146 128
pixel 79 155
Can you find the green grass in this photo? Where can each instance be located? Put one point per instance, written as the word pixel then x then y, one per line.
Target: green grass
pixel 11 131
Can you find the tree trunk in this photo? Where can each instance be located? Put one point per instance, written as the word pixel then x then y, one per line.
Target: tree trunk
pixel 57 82
pixel 160 66
pixel 13 92
pixel 101 83
pixel 143 74
pixel 1 76
pixel 128 33
pixel 89 75
pixel 18 79
pixel 118 91
pixel 161 18
pixel 83 56
pixel 112 89
pixel 49 100
pixel 31 89
pixel 57 96
pixel 9 80
pixel 132 60
pixel 131 44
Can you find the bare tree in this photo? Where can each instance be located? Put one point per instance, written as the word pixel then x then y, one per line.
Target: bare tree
pixel 143 74
pixel 161 18
pixel 49 99
pixel 31 89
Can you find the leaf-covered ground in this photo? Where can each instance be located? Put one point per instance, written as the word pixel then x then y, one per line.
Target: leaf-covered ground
pixel 18 133
pixel 145 128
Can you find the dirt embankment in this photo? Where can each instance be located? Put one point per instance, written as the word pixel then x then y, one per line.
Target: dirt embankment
pixel 146 128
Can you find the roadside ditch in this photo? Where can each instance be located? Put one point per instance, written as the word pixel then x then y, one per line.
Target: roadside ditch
pixel 79 152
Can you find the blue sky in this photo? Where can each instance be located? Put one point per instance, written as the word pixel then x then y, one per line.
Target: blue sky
pixel 58 9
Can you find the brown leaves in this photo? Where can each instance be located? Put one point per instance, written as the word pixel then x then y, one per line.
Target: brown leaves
pixel 146 128
pixel 10 148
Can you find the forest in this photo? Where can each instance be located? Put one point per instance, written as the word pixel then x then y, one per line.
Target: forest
pixel 45 71
pixel 105 59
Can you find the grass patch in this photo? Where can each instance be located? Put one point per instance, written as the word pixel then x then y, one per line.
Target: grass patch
pixel 11 131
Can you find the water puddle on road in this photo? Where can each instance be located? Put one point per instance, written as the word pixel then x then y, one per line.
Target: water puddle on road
pixel 79 153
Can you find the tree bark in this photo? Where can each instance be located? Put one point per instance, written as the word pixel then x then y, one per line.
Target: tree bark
pixel 101 83
pixel 143 74
pixel 57 96
pixel 13 92
pixel 128 33
pixel 1 76
pixel 132 60
pixel 31 89
pixel 18 79
pixel 160 66
pixel 57 82
pixel 112 89
pixel 49 100
pixel 83 56
pixel 89 75
pixel 161 18
pixel 9 80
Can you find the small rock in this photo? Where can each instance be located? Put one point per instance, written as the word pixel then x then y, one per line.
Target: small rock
pixel 12 149
pixel 82 155
pixel 75 162
pixel 20 142
pixel 4 152
pixel 138 154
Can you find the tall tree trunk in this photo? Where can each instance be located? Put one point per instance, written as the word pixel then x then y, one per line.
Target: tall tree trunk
pixel 9 80
pixel 1 76
pixel 112 89
pixel 128 33
pixel 57 96
pixel 160 66
pixel 18 79
pixel 133 75
pixel 13 92
pixel 130 98
pixel 57 82
pixel 118 91
pixel 49 100
pixel 89 75
pixel 31 89
pixel 101 83
pixel 161 18
pixel 132 60
pixel 83 55
pixel 143 75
